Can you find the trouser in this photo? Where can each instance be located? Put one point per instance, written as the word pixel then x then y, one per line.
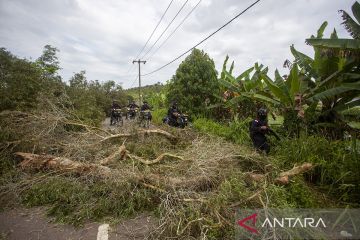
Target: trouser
pixel 261 145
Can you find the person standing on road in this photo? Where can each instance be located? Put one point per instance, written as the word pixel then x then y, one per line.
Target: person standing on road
pixel 146 107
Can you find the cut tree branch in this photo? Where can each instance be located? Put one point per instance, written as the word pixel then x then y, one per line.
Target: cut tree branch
pixel 119 154
pixel 156 160
pixel 159 132
pixel 39 162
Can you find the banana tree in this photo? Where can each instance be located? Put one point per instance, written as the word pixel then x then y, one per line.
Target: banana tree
pixel 330 81
pixel 347 46
pixel 241 93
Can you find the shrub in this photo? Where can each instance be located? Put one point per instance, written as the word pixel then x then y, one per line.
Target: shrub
pixel 336 163
pixel 235 131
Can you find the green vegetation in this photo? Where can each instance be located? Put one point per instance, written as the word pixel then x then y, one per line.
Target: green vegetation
pixel 315 109
pixel 74 201
pixel 194 84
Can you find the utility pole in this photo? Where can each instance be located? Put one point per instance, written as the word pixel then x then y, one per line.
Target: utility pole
pixel 139 61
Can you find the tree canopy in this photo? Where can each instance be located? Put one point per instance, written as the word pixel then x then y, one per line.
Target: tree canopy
pixel 195 84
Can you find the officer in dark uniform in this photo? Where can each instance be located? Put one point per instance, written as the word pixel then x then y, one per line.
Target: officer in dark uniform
pixel 258 128
pixel 146 107
pixel 173 113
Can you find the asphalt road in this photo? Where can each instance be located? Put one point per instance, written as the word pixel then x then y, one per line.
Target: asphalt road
pixel 31 224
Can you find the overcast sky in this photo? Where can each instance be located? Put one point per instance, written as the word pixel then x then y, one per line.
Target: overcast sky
pixel 103 37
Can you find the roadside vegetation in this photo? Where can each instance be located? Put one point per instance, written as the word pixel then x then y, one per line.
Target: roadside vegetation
pixel 211 169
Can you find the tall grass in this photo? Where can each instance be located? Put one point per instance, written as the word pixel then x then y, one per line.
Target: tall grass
pixel 236 132
pixel 337 164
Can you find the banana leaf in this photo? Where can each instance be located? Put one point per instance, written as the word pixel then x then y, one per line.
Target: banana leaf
pixel 355 125
pixel 351 26
pixel 277 92
pixel 351 44
pixel 245 73
pixel 305 62
pixel 345 87
pixel 347 106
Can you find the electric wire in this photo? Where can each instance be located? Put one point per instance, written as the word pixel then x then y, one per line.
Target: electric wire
pixel 157 25
pixel 172 33
pixel 209 36
pixel 172 20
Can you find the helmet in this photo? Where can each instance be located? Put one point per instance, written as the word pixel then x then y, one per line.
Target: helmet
pixel 262 113
pixel 145 102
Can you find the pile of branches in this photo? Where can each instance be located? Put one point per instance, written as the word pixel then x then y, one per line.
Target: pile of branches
pixel 186 171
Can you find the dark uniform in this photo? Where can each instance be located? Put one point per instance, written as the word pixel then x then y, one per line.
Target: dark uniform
pixel 115 105
pixel 146 107
pixel 172 113
pixel 132 105
pixel 257 135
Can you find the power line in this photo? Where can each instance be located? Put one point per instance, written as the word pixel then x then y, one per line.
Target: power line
pixel 152 46
pixel 157 25
pixel 172 33
pixel 167 64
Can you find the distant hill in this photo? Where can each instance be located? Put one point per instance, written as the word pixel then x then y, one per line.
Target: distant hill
pixel 145 90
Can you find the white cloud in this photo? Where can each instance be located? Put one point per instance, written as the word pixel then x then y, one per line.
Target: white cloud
pixel 103 37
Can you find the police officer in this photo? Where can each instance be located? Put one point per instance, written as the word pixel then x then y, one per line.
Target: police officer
pixel 173 113
pixel 146 107
pixel 258 128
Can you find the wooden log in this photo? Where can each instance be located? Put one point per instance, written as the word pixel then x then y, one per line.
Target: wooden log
pixel 283 178
pixel 297 170
pixel 40 162
pixel 119 154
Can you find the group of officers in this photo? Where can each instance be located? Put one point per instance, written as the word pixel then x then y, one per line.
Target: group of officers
pixel 258 127
pixel 173 112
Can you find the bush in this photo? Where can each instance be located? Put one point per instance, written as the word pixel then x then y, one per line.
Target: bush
pixel 74 201
pixel 336 163
pixel 158 115
pixel 237 132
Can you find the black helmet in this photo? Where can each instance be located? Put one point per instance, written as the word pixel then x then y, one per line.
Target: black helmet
pixel 145 102
pixel 262 113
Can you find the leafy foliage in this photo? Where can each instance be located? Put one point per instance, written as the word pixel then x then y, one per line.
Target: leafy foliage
pixel 195 84
pixel 25 84
pixel 20 82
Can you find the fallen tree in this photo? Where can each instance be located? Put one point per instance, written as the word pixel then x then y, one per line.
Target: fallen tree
pixel 119 154
pixel 282 179
pixel 158 132
pixel 30 161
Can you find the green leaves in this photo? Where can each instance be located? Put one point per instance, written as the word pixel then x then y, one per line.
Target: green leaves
pixel 350 24
pixel 334 43
pixel 345 87
pixel 321 30
pixel 195 83
pixel 277 92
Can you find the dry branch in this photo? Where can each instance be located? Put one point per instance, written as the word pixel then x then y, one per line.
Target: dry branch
pixel 119 154
pixel 156 160
pixel 87 127
pixel 142 132
pixel 283 178
pixel 297 170
pixel 39 162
